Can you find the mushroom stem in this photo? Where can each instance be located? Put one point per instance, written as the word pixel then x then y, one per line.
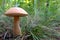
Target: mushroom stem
pixel 16 27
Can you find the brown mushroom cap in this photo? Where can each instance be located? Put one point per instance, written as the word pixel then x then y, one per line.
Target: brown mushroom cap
pixel 16 11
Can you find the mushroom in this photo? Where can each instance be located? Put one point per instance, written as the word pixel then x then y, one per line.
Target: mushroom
pixel 16 12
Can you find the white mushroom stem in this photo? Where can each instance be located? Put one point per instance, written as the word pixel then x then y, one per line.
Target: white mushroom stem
pixel 16 27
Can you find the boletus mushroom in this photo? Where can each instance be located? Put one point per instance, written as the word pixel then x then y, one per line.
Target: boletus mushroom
pixel 16 12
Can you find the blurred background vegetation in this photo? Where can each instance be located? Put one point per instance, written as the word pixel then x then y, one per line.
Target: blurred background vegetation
pixel 43 21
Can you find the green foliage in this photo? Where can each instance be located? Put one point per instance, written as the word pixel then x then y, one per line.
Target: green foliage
pixel 43 16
